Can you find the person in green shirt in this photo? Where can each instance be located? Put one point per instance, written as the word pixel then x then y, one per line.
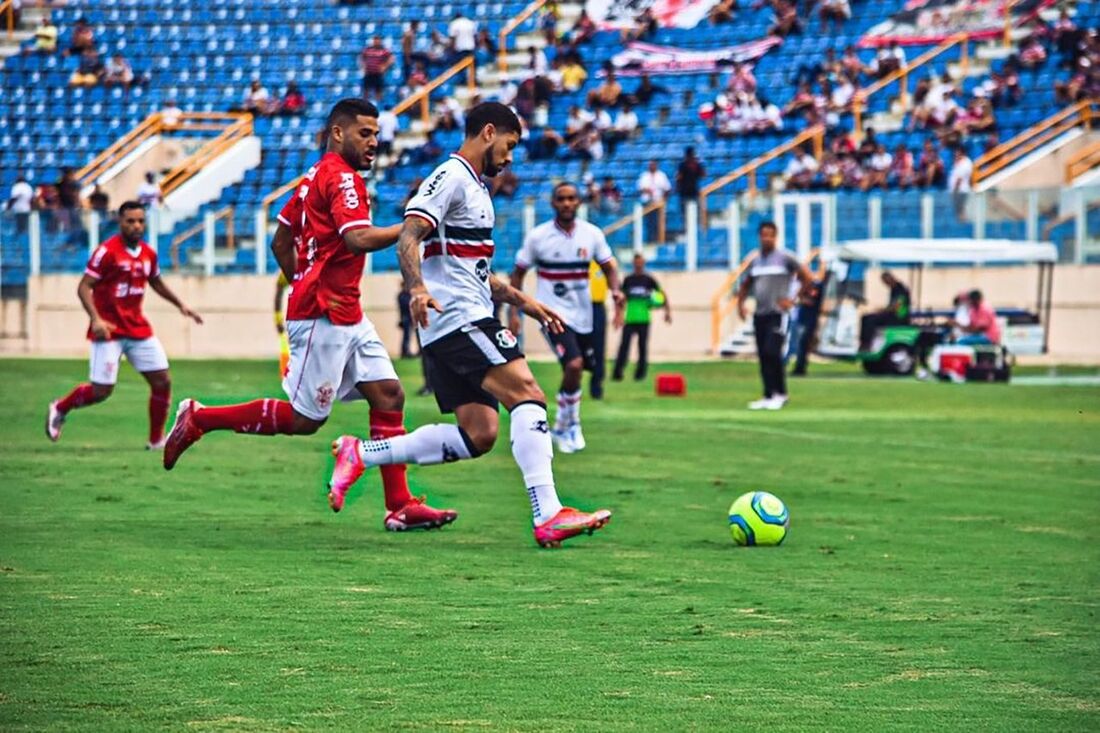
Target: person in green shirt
pixel 896 312
pixel 642 293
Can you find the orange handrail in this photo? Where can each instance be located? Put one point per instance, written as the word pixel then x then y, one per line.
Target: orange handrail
pixel 815 134
pixel 859 100
pixel 278 192
pixel 502 49
pixel 662 218
pixel 1080 114
pixel 194 163
pixel 230 233
pixel 1083 161
pixel 8 9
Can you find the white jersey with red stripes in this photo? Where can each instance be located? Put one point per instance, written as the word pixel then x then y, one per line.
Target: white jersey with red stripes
pixel 457 256
pixel 561 260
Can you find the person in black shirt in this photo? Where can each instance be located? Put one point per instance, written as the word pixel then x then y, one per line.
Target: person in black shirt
pixel 642 292
pixel 688 175
pixel 896 312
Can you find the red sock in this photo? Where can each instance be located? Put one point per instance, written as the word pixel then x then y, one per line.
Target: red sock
pixel 159 400
pixel 262 417
pixel 390 424
pixel 79 397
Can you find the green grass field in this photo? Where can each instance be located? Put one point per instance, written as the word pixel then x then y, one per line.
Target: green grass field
pixel 942 571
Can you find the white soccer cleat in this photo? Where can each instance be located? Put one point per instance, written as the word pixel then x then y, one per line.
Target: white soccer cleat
pixel 562 441
pixel 760 404
pixel 777 402
pixel 159 445
pixel 576 437
pixel 55 418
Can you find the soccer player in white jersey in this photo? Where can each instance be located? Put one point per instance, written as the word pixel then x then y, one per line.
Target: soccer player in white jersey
pixel 561 251
pixel 445 250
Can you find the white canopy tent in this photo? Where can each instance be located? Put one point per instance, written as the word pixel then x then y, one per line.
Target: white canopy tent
pixel 942 251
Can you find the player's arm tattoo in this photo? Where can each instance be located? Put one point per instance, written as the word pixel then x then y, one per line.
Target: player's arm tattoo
pixel 502 292
pixel 412 234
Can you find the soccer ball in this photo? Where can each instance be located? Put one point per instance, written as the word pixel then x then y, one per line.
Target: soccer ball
pixel 758 518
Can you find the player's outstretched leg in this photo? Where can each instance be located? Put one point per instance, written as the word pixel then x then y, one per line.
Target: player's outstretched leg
pixel 259 417
pixel 82 395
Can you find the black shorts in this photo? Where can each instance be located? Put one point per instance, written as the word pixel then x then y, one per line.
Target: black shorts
pixel 458 362
pixel 569 344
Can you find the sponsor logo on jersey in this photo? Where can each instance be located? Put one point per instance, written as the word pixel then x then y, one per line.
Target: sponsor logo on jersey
pixel 560 290
pixel 506 339
pixel 481 269
pixel 434 184
pixel 347 185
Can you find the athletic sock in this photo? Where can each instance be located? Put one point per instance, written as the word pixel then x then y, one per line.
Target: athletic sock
pixel 425 446
pixel 534 453
pixel 573 399
pixel 561 419
pixel 82 394
pixel 384 425
pixel 159 400
pixel 260 417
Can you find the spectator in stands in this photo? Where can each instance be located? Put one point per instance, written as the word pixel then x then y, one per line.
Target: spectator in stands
pixel 851 65
pixel 20 203
pixel 689 174
pixel 645 25
pixel 257 99
pixel 387 131
pixel 68 201
pixel 833 11
pixel 785 21
pixel 100 202
pixel 374 61
pixel 119 72
pixel 724 11
pixel 417 78
pixel 293 101
pixel 415 48
pixel 742 80
pixel 573 73
pixel 645 91
pixel 170 114
pixel 548 22
pixel 611 196
pixel 537 63
pixel 463 34
pixel 545 144
pixel 653 188
pixel 449 114
pixel 981 324
pixel 439 48
pixel 801 169
pixel 46 201
pixel 588 145
pixel 608 93
pixel 45 36
pixel 978 118
pixel 486 48
pixel 1032 54
pixel 590 190
pixel 888 60
pixel 625 126
pixel 575 122
pixel 903 172
pixel 840 100
pixel 584 28
pixel 82 39
pixel 149 194
pixel 425 153
pixel 879 166
pixel 958 183
pixel 90 71
pixel 896 312
pixel 930 167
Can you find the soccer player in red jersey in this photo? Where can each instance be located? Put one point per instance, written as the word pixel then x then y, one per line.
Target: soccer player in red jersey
pixel 335 351
pixel 112 291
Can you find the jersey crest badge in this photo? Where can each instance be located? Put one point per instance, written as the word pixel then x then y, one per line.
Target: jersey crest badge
pixel 325 393
pixel 506 339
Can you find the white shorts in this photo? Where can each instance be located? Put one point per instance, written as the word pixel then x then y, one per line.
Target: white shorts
pixel 327 361
pixel 147 355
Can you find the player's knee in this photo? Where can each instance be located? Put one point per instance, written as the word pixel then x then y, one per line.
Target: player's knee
pixel 574 367
pixel 391 397
pixel 482 437
pixel 101 392
pixel 161 384
pixel 530 391
pixel 306 426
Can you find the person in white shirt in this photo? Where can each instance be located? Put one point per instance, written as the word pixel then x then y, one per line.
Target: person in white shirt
pixel 536 61
pixel 20 202
pixel 387 131
pixel 879 167
pixel 463 34
pixel 958 181
pixel 257 99
pixel 653 188
pixel 626 123
pixel 801 169
pixel 561 251
pixel 148 193
pixel 445 250
pixel 171 113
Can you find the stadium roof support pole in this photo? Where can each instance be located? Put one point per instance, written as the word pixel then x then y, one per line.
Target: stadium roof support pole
pixel 874 217
pixel 733 232
pixel 259 224
pixel 502 46
pixel 691 236
pixel 927 214
pixel 209 222
pixel 34 236
pixel 639 236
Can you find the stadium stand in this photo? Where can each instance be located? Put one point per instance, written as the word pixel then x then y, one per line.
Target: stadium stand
pixel 202 58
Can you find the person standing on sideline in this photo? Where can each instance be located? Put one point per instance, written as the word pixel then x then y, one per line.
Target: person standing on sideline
pixel 688 176
pixel 769 281
pixel 21 202
pixel 112 292
pixel 653 188
pixel 642 293
pixel 597 283
pixel 561 251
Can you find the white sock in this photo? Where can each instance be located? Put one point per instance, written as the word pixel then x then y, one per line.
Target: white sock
pixel 534 453
pixel 574 400
pixel 425 446
pixel 561 420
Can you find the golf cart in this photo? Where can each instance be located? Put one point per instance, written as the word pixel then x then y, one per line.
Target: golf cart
pixel 894 349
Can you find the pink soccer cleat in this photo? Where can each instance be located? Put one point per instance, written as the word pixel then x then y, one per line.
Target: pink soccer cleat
pixel 418 515
pixel 568 523
pixel 349 467
pixel 184 433
pixel 55 418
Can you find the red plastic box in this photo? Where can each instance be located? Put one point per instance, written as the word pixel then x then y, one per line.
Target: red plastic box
pixel 671 385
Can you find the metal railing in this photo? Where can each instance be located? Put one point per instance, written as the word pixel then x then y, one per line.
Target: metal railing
pixel 239 129
pixel 1080 114
pixel 661 207
pixel 200 228
pixel 1083 161
pixel 509 27
pixel 8 9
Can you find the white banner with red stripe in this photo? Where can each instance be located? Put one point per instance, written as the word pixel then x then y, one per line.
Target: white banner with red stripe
pixel 647 58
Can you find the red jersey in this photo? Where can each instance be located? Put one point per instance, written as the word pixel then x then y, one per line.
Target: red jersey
pixel 326 280
pixel 121 275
